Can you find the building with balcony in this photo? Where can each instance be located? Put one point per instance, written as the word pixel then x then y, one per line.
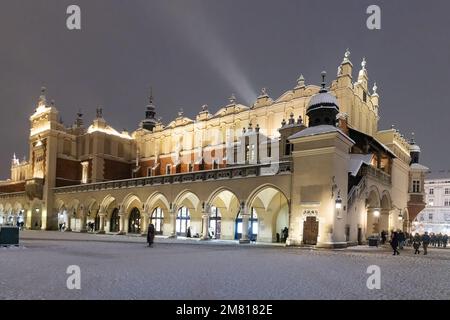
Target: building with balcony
pixel 436 215
pixel 312 160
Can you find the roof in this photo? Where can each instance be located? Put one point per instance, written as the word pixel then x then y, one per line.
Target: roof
pixel 373 139
pixel 357 160
pixel 318 130
pixel 419 167
pixel 438 174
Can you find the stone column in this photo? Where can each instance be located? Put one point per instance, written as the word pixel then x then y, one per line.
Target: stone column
pixel 145 224
pixel 122 223
pixel 244 238
pixel 205 217
pixel 173 215
pixel 102 223
pixel 69 223
pixel 83 221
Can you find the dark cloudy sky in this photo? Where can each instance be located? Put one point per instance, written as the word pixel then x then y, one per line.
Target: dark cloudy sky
pixel 200 51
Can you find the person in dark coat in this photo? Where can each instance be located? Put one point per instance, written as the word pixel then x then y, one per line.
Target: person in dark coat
pixel 394 243
pixel 383 237
pixel 426 239
pixel 150 234
pixel 416 243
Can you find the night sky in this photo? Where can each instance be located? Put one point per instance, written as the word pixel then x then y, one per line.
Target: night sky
pixel 196 52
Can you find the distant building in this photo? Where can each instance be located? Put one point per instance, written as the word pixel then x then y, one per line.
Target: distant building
pixel 312 160
pixel 436 215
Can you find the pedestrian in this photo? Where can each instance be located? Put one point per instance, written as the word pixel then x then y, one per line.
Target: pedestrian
pixel 188 233
pixel 383 237
pixel 416 243
pixel 150 234
pixel 401 239
pixel 394 243
pixel 445 240
pixel 425 242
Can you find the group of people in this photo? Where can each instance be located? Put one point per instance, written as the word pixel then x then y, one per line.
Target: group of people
pixel 400 239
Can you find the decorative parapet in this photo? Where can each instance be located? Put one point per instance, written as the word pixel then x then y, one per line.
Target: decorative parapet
pixel 209 175
pixel 378 174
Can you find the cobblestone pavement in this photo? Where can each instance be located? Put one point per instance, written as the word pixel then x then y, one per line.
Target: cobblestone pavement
pixel 118 267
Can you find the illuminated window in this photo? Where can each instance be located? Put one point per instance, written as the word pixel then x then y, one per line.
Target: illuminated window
pixel 416 186
pixel 158 219
pixel 85 172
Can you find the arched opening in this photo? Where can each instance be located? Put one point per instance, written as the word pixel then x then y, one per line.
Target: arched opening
pixel 134 222
pixel 373 214
pixel 157 219
pixel 96 222
pixel 114 222
pixel 215 223
pixel 183 222
pixel 253 225
pixel 272 209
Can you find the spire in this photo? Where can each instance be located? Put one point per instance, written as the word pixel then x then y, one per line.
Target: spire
pixel 99 112
pixel 413 140
pixel 42 97
pixel 79 120
pixel 15 161
pixel 149 122
pixel 324 74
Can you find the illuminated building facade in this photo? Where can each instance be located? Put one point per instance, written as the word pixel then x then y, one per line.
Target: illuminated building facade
pixel 312 160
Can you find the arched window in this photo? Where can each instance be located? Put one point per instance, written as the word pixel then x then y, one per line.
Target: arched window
pixel 183 222
pixel 134 223
pixel 158 220
pixel 114 222
pixel 215 222
pixel 252 226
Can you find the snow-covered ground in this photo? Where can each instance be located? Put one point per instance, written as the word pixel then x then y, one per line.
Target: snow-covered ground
pixel 118 267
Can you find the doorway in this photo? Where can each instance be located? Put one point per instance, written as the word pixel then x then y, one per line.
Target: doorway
pixel 310 230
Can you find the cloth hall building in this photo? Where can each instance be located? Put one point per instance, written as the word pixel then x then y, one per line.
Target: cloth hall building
pixel 313 161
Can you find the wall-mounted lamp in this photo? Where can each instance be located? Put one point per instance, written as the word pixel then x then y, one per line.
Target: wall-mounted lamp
pixel 376 213
pixel 339 201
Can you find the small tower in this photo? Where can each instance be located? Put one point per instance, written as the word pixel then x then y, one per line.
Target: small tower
pixel 323 107
pixel 414 151
pixel 363 78
pixel 345 69
pixel 150 121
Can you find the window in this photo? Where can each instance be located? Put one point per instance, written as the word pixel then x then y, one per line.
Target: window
pixel 447 191
pixel 190 167
pixel 430 216
pixel 150 172
pixel 416 186
pixel 289 148
pixel 364 96
pixel 431 191
pixel 431 202
pixel 183 222
pixel 168 169
pixel 215 223
pixel 85 172
pixel 215 165
pixel 447 217
pixel 447 202
pixel 158 219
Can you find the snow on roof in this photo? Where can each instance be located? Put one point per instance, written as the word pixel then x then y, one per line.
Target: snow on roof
pixel 322 98
pixel 317 130
pixel 418 166
pixel 357 160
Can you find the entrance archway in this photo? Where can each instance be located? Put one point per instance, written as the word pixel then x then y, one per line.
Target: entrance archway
pixel 134 222
pixel 310 230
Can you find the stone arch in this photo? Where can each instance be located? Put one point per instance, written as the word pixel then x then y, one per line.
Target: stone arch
pixel 373 199
pixel 188 213
pixel 158 205
pixel 132 208
pixel 129 202
pixel 156 199
pixel 225 206
pixel 271 206
pixel 106 202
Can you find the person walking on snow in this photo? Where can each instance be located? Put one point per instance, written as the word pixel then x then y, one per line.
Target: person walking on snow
pixel 150 234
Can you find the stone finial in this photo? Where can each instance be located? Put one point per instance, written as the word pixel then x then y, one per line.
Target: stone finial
pixel 99 112
pixel 204 108
pixel 413 138
pixel 283 123
pixel 324 74
pixel 375 88
pixel 363 64
pixel 232 99
pixel 346 56
pixel 180 112
pixel 299 120
pixel 257 127
pixel 301 81
pixel 291 119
